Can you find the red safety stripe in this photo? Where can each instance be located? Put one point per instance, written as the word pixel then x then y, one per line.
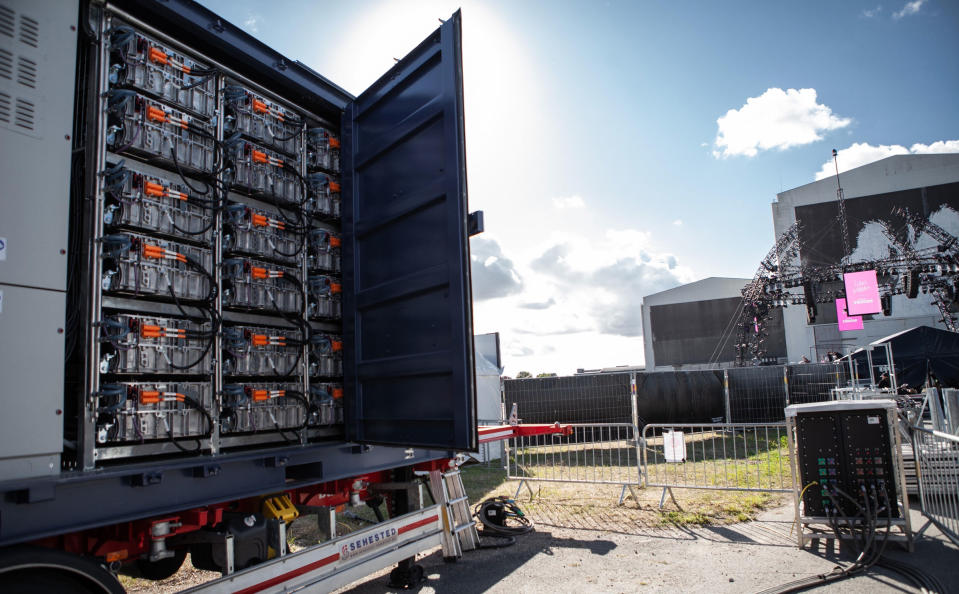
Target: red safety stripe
pixel 416 525
pixel 289 575
pixel 325 561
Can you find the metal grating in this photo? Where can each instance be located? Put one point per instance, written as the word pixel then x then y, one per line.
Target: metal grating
pixel 4 108
pixel 6 64
pixel 25 115
pixel 27 72
pixel 29 31
pixel 6 21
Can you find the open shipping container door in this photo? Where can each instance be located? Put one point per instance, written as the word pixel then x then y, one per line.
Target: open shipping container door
pixel 406 281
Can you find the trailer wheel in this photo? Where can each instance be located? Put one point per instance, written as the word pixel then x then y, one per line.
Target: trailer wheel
pixel 24 570
pixel 162 569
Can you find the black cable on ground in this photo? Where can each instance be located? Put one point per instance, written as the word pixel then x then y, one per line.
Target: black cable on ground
pixel 868 553
pixel 496 514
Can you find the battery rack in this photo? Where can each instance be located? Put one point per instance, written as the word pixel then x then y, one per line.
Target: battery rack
pixel 848 472
pixel 211 285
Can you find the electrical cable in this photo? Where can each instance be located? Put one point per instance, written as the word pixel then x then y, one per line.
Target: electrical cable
pixel 176 163
pixel 868 555
pixel 199 440
pixel 505 510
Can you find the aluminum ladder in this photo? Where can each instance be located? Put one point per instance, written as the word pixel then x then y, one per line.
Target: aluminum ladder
pixel 460 534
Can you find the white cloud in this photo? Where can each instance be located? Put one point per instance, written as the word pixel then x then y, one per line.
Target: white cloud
pixel 871 13
pixel 678 222
pixel 777 119
pixel 862 153
pixel 603 281
pixel 579 305
pixel 569 202
pixel 909 9
pixel 252 23
pixel 493 274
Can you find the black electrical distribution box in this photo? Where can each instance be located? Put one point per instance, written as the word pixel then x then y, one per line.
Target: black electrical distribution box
pixel 846 458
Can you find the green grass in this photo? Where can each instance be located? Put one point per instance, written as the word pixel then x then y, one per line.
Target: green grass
pixel 482 482
pixel 684 518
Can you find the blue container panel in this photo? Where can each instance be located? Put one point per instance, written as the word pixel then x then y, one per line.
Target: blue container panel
pixel 409 361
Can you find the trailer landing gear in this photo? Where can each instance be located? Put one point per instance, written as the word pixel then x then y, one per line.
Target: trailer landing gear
pixel 407 575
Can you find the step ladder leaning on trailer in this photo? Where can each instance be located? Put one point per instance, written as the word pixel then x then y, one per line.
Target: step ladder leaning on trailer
pixel 461 534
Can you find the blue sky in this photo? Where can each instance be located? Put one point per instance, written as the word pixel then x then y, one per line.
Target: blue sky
pixel 621 148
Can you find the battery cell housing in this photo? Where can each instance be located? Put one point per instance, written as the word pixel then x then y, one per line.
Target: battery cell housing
pixel 132 343
pixel 324 251
pixel 140 265
pixel 263 351
pixel 141 411
pixel 326 355
pixel 325 294
pixel 250 230
pixel 264 172
pixel 324 195
pixel 326 402
pixel 322 150
pixel 154 203
pixel 137 60
pixel 253 284
pixel 150 128
pixel 256 407
pixel 263 120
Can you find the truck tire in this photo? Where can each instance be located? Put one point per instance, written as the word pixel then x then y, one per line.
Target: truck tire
pixel 25 569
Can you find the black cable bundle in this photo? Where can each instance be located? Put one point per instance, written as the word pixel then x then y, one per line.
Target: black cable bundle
pixel 496 514
pixel 861 532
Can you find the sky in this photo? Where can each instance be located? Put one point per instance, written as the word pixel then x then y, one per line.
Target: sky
pixel 619 149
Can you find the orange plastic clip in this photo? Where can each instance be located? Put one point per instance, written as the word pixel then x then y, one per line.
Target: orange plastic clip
pixel 337 393
pixel 148 331
pixel 335 241
pixel 149 397
pixel 152 189
pixel 334 186
pixel 260 107
pixel 260 395
pixel 337 346
pixel 264 221
pixel 157 55
pixel 260 340
pixel 160 253
pixel 260 157
pixel 334 142
pixel 336 288
pixel 156 114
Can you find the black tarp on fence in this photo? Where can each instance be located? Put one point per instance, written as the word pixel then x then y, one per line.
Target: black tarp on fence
pixel 756 395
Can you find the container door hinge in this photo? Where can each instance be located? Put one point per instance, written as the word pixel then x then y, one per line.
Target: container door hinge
pixel 474 223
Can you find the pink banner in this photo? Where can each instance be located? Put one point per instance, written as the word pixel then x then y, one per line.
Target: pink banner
pixel 846 321
pixel 862 292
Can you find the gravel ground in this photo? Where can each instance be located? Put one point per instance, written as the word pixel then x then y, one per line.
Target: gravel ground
pixel 746 557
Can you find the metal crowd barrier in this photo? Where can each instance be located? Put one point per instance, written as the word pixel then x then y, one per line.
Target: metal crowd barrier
pixel 937 471
pixel 718 456
pixel 596 453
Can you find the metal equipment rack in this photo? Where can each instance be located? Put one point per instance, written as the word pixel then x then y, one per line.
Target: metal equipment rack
pixel 812 527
